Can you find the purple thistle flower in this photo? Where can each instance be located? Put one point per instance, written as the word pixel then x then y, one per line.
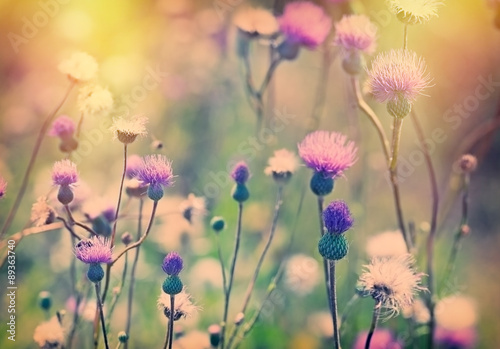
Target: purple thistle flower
pixel 240 173
pixel 93 251
pixel 172 264
pixel 355 32
pixel 305 23
pixel 64 173
pixel 62 127
pixel 134 163
pixel 3 187
pixel 396 74
pixel 464 338
pixel 327 153
pixel 337 217
pixel 156 171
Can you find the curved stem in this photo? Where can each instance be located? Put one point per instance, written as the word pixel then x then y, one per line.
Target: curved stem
pixel 75 222
pixel 375 317
pixel 113 233
pixel 31 163
pixel 231 274
pixel 99 304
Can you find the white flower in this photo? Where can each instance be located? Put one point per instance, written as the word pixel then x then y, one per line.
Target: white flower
pixel 184 307
pixel 456 312
pixel 356 32
pixel 49 334
pixel 193 206
pixel 94 100
pixel 80 67
pixel 302 274
pixel 283 164
pixel 389 243
pixel 414 11
pixel 127 130
pixel 255 20
pixel 41 212
pixel 391 281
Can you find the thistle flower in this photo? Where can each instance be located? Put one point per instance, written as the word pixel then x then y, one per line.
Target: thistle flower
pixel 62 127
pixel 183 306
pixel 214 331
pixel 304 24
pixel 386 244
pixel 302 274
pixel 255 21
pixel 240 173
pixel 328 153
pixel 134 163
pixel 42 213
pixel 3 187
pixel 193 207
pixel 414 11
pixel 156 171
pixel 94 100
pixel 282 165
pixel 382 339
pixel 64 173
pixel 172 264
pixel 127 130
pixel 337 217
pixel 94 251
pixel 392 281
pixel 397 77
pixel 456 339
pixel 49 334
pixel 355 33
pixel 80 67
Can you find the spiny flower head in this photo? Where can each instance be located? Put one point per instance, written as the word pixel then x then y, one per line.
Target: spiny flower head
pixel 255 21
pixel 3 187
pixel 127 130
pixel 386 244
pixel 183 305
pixel 156 170
pixel 282 165
pixel 49 334
pixel 356 32
pixel 94 100
pixel 94 251
pixel 337 217
pixel 240 173
pixel 414 11
pixel 80 67
pixel 62 127
pixel 64 173
pixel 172 264
pixel 134 163
pixel 305 24
pixel 42 213
pixel 395 74
pixel 391 281
pixel 382 339
pixel 328 153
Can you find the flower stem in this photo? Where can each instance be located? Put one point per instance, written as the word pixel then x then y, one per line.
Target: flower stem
pixel 375 317
pixel 113 233
pixel 231 274
pixel 132 274
pixel 326 266
pixel 31 163
pixel 333 302
pixel 345 313
pixel 171 321
pixel 72 221
pixel 99 305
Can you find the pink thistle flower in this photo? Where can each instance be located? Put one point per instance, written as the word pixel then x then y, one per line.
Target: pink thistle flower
pixel 156 170
pixel 240 173
pixel 356 32
pixel 328 153
pixel 64 173
pixel 305 23
pixel 3 187
pixel 382 339
pixel 396 74
pixel 62 127
pixel 93 251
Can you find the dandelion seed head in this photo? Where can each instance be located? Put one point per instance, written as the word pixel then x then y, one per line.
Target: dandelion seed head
pixel 42 213
pixel 414 11
pixel 94 100
pixel 356 32
pixel 64 173
pixel 156 170
pixel 240 172
pixel 80 67
pixel 183 305
pixel 127 130
pixel 282 163
pixel 305 23
pixel 49 334
pixel 62 127
pixel 255 21
pixel 386 244
pixel 94 250
pixel 395 74
pixel 328 153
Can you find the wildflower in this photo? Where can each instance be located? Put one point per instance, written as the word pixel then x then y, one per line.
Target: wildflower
pixel 62 127
pixel 183 306
pixel 192 207
pixel 134 163
pixel 282 165
pixel 382 339
pixel 80 67
pixel 42 213
pixel 49 334
pixel 126 238
pixel 240 174
pixel 94 250
pixel 386 244
pixel 337 217
pixel 172 264
pixel 391 281
pixel 64 173
pixel 217 223
pixel 127 130
pixel 214 331
pixel 156 171
pixel 456 339
pixel 414 11
pixel 255 21
pixel 122 337
pixel 467 163
pixel 301 274
pixel 3 187
pixel 94 100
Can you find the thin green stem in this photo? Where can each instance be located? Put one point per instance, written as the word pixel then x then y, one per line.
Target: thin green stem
pixel 116 295
pixel 171 321
pixel 345 313
pixel 375 317
pixel 221 262
pixel 99 305
pixel 231 274
pixel 326 266
pixel 113 233
pixel 73 221
pixel 333 302
pixel 31 163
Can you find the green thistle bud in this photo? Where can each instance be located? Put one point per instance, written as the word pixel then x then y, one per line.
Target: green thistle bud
pixel 65 194
pixel 399 108
pixel 45 300
pixel 95 272
pixel 172 285
pixel 321 185
pixel 333 246
pixel 155 192
pixel 122 337
pixel 240 192
pixel 217 224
